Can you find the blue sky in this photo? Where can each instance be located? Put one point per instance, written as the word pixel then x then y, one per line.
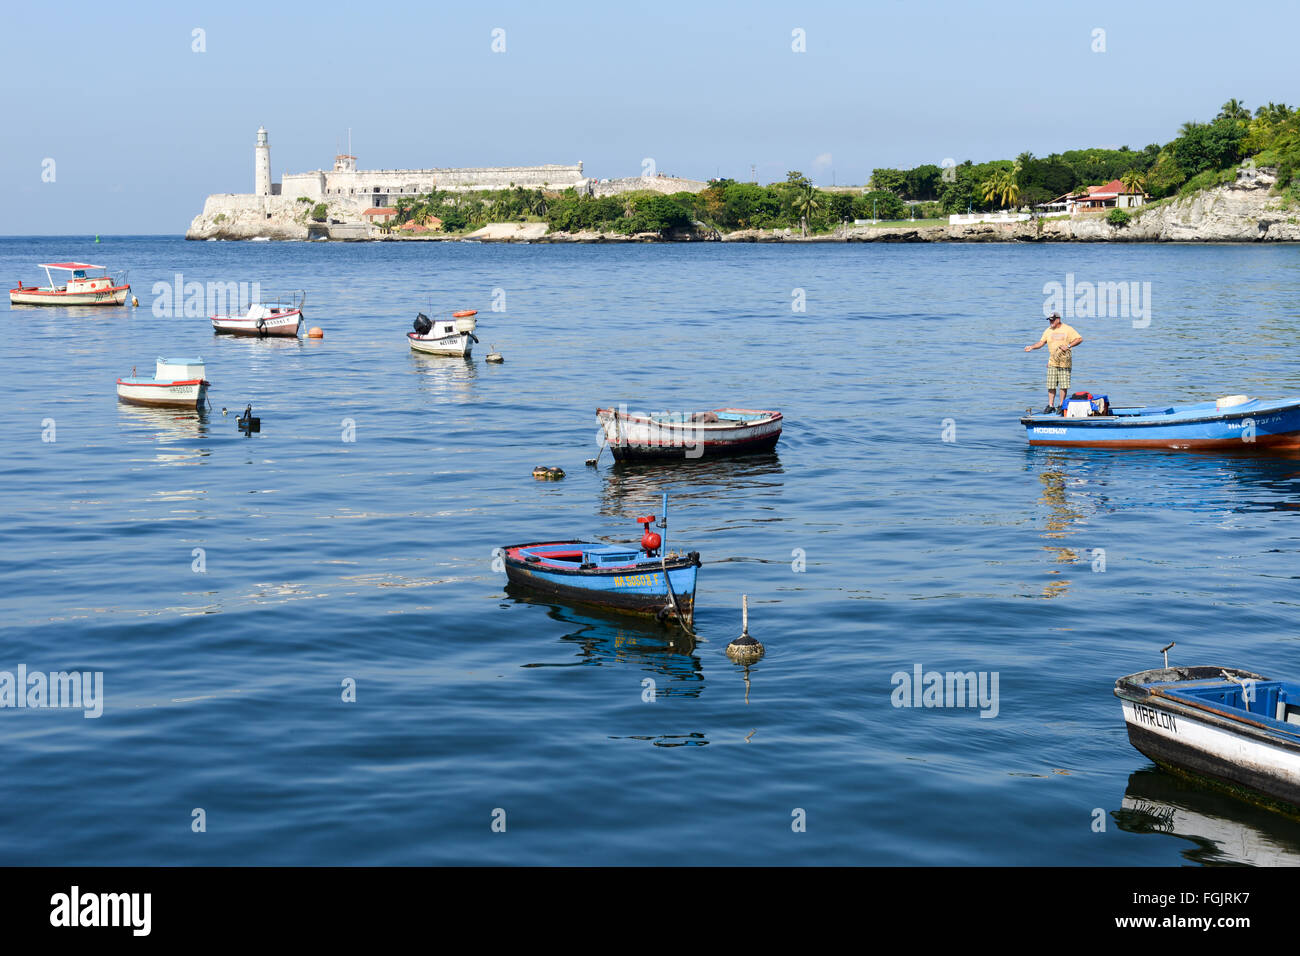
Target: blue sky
pixel 141 128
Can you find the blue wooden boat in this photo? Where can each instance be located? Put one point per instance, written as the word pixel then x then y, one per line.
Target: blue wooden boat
pixel 648 580
pixel 1236 423
pixel 1233 728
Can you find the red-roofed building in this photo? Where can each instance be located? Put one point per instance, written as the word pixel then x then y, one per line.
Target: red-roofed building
pixel 1111 195
pixel 433 225
pixel 380 213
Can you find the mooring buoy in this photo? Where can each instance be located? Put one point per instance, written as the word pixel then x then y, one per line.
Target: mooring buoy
pixel 744 649
pixel 316 332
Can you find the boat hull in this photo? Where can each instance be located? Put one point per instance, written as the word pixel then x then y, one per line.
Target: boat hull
pixel 633 589
pixel 456 344
pixel 1225 747
pixel 1253 426
pixel 634 438
pixel 114 296
pixel 191 394
pixel 284 324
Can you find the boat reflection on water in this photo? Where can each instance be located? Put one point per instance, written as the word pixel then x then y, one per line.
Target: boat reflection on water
pixel 445 374
pixel 602 639
pixel 166 424
pixel 1219 828
pixel 632 484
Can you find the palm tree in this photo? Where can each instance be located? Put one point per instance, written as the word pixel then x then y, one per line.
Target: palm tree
pixel 1010 192
pixel 1133 181
pixel 1234 110
pixel 805 204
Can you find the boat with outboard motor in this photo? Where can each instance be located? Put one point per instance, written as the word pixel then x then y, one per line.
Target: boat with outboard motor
pixel 1236 422
pixel 82 288
pixel 650 580
pixel 454 336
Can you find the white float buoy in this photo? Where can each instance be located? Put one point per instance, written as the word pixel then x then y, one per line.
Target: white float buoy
pixel 744 649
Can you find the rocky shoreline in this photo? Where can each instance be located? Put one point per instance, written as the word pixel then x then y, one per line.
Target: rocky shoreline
pixel 1242 211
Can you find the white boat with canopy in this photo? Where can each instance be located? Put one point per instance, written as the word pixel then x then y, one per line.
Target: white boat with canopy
pixel 81 288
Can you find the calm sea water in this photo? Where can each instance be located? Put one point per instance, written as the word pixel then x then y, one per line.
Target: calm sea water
pixel 371 560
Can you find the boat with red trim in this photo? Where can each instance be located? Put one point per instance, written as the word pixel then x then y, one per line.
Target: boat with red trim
pixel 280 319
pixel 454 336
pixel 649 580
pixel 681 436
pixel 177 383
pixel 82 287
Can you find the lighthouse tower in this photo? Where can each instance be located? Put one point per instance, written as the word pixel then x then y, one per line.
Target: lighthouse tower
pixel 262 165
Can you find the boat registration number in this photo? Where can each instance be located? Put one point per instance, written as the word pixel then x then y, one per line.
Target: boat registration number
pixel 636 580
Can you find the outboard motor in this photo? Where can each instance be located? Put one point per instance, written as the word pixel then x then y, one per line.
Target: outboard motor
pixel 422 324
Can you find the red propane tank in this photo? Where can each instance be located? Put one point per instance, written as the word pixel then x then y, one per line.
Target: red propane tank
pixel 649 541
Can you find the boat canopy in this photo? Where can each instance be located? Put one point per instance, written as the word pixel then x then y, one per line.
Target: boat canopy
pixel 69 266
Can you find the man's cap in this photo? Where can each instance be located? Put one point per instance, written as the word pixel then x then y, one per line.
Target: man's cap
pixel 1054 315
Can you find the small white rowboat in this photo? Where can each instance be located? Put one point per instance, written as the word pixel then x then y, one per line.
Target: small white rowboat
pixel 177 383
pixel 665 436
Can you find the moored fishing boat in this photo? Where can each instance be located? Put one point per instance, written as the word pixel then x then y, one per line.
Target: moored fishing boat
pixel 82 288
pixel 680 436
pixel 648 580
pixel 1233 728
pixel 454 336
pixel 177 383
pixel 261 320
pixel 1233 423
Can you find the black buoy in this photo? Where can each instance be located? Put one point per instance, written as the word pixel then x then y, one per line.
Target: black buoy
pixel 246 422
pixel 744 649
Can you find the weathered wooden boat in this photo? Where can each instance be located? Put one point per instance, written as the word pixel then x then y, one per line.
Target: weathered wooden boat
pixel 648 580
pixel 1233 423
pixel 177 383
pixel 682 436
pixel 82 288
pixel 1230 727
pixel 261 320
pixel 454 336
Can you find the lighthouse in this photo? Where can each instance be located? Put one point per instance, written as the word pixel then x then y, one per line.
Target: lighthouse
pixel 262 164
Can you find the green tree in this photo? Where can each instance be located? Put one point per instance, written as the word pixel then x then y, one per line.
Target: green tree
pixel 889 180
pixel 805 204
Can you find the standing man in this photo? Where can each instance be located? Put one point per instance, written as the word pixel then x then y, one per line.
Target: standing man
pixel 1060 340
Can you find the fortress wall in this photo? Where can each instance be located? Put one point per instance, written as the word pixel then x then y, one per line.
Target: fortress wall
pixel 660 184
pixel 311 185
pixel 415 182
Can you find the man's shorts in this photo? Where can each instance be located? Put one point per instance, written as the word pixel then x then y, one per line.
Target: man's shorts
pixel 1058 378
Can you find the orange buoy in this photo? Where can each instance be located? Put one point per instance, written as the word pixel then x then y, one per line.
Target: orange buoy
pixel 316 333
pixel 464 314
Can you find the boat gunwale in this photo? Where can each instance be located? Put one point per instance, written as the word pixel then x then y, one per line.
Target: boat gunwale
pixel 1164 420
pixel 1242 722
pixel 769 417
pixel 690 559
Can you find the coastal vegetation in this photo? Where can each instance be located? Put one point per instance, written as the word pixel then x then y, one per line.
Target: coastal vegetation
pixel 1202 155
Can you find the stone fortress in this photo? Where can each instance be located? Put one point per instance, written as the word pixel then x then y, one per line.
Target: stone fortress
pixel 276 210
